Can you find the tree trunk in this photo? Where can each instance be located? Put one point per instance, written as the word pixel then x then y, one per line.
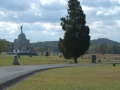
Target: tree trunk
pixel 75 60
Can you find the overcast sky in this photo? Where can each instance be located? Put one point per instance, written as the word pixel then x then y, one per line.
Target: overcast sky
pixel 41 19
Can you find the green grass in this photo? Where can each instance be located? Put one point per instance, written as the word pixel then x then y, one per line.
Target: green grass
pixel 74 78
pixel 7 60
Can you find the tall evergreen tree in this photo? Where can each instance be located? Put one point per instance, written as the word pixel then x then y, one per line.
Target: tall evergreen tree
pixel 76 38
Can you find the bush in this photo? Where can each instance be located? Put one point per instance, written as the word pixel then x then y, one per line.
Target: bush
pixel 46 54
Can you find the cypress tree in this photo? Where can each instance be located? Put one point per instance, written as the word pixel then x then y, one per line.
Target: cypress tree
pixel 76 37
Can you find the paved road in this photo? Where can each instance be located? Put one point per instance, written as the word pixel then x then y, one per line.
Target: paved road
pixel 10 75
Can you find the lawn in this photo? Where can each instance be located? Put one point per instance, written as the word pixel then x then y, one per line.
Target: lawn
pixel 74 78
pixel 7 60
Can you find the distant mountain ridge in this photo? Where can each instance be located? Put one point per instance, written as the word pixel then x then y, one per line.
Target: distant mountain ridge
pixel 94 42
pixel 105 41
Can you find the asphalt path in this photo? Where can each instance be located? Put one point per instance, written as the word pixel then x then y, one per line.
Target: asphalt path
pixel 10 75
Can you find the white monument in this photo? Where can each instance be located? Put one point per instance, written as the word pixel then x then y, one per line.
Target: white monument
pixel 21 45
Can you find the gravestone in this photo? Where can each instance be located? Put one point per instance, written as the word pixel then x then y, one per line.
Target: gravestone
pixel 16 60
pixel 113 64
pixel 30 55
pixel 93 58
pixel 99 60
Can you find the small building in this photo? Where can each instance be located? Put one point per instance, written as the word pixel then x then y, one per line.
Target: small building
pixel 21 45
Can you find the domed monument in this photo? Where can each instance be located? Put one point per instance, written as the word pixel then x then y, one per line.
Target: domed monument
pixel 21 45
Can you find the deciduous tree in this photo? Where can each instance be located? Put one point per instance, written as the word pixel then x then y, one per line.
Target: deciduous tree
pixel 3 45
pixel 102 48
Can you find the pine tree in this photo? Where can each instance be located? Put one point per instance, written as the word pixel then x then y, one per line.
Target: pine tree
pixel 3 45
pixel 76 38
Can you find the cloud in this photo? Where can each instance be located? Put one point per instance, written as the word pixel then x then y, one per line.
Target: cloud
pixel 96 3
pixel 14 5
pixel 41 18
pixel 109 11
pixel 24 11
pixel 118 22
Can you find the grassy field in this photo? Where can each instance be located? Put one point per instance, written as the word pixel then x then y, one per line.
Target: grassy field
pixel 74 78
pixel 7 60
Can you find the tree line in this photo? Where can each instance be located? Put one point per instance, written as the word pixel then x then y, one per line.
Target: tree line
pixel 97 46
pixel 104 49
pixel 47 46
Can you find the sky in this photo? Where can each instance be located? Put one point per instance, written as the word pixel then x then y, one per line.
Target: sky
pixel 41 19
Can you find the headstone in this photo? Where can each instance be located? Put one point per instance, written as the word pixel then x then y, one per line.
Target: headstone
pixel 99 60
pixel 16 61
pixel 30 55
pixel 113 64
pixel 93 58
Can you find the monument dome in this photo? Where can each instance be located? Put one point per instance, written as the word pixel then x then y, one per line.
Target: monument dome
pixel 21 45
pixel 21 36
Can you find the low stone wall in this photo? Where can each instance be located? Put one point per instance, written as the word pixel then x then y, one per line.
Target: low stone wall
pixel 12 53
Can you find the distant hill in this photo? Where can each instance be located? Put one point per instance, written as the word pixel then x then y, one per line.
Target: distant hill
pixel 103 41
pixel 94 42
pixel 53 45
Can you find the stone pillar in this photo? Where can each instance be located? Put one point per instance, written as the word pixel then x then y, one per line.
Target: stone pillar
pixel 16 60
pixel 93 58
pixel 30 55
